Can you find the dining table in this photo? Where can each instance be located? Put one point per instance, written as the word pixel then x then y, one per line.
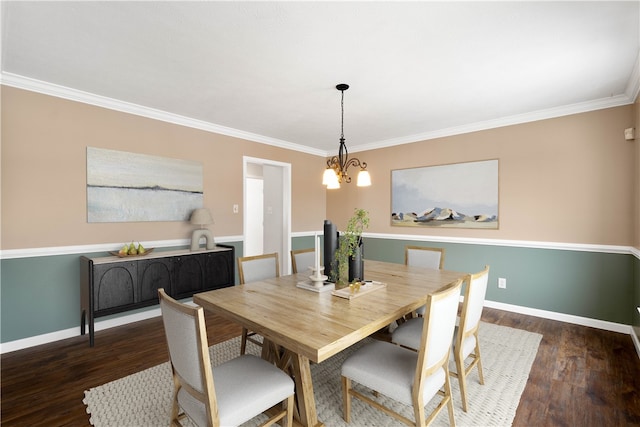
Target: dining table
pixel 310 326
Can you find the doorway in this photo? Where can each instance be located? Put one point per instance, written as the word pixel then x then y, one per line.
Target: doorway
pixel 267 209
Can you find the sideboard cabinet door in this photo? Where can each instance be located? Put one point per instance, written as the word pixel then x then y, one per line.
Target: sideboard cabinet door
pixel 188 274
pixel 219 270
pixel 114 286
pixel 153 274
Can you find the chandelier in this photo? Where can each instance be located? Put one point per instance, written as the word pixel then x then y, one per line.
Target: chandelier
pixel 337 166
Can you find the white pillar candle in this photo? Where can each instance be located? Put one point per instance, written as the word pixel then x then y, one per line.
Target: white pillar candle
pixel 317 255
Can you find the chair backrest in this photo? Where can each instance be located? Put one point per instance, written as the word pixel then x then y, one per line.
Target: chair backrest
pixel 302 259
pixel 186 335
pixel 420 256
pixel 437 332
pixel 473 301
pixel 258 267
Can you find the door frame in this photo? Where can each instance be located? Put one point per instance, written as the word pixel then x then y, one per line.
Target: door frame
pixel 285 259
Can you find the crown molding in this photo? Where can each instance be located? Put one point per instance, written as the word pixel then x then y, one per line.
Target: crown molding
pixel 39 86
pixel 633 85
pixel 550 113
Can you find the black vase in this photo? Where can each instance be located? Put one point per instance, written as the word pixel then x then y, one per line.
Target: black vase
pixel 331 238
pixel 356 263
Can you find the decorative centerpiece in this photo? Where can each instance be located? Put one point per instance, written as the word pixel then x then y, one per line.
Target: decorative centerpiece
pixel 350 249
pixel 317 281
pixel 317 278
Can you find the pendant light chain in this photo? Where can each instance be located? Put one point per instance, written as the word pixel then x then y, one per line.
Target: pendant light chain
pixel 342 122
pixel 337 166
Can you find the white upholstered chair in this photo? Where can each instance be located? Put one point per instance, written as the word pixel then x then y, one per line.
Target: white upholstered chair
pixel 466 343
pixel 228 394
pixel 421 256
pixel 302 259
pixel 258 267
pixel 410 377
pixel 253 269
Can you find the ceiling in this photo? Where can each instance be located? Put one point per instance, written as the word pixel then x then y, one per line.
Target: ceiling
pixel 267 71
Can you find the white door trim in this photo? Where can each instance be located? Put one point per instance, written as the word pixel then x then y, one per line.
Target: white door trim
pixel 286 205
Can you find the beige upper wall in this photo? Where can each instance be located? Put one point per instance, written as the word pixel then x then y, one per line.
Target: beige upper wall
pixel 44 142
pixel 568 179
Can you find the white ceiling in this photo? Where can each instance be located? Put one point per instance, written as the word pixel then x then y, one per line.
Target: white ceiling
pixel 267 71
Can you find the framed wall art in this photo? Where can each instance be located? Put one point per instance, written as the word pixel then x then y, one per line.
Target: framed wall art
pixel 460 195
pixel 129 187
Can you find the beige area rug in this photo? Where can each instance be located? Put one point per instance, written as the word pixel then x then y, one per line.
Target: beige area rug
pixel 144 398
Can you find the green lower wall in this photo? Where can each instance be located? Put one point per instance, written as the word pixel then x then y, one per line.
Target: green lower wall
pixel 586 284
pixel 41 295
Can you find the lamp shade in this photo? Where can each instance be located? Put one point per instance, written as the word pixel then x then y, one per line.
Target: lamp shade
pixel 201 217
pixel 364 179
pixel 328 176
pixel 330 179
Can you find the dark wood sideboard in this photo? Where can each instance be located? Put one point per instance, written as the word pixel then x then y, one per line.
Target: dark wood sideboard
pixel 112 284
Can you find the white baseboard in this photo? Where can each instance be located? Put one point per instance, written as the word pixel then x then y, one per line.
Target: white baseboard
pixel 567 318
pixel 74 332
pixel 636 341
pixel 123 320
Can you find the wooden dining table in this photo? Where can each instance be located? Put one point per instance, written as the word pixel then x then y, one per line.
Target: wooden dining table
pixel 312 326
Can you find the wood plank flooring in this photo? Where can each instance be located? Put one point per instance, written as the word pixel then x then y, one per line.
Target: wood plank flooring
pixel 581 376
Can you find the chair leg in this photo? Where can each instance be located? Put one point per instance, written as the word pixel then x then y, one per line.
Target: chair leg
pixel 288 420
pixel 419 414
pixel 461 373
pixel 346 399
pixel 479 359
pixel 243 344
pixel 175 408
pixel 447 392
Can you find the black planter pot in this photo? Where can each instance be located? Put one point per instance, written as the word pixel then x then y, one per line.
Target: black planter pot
pixel 356 264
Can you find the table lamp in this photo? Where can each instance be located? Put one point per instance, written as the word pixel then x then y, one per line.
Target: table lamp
pixel 201 217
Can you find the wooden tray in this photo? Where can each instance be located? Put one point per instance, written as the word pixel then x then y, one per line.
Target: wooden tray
pixel 364 289
pixel 119 255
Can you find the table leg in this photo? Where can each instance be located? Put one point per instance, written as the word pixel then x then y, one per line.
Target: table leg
pixel 300 370
pixel 304 391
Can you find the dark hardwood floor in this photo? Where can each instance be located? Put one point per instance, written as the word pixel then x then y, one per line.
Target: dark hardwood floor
pixel 581 376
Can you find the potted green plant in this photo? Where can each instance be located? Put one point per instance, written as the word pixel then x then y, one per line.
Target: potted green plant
pixel 350 247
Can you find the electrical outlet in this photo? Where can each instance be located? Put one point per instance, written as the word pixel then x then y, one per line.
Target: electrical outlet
pixel 502 283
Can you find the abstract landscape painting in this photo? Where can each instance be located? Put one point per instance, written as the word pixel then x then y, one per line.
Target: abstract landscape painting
pixel 130 187
pixel 460 195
